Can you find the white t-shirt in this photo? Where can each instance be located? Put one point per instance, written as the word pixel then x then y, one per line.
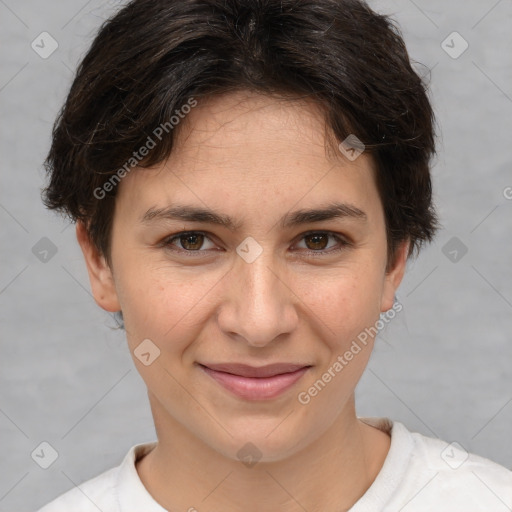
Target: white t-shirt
pixel 419 474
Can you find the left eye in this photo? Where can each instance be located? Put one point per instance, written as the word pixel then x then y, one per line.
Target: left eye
pixel 192 241
pixel 318 241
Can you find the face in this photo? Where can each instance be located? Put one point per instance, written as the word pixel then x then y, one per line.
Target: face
pixel 288 267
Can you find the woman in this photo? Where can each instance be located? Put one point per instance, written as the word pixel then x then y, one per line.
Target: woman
pixel 248 180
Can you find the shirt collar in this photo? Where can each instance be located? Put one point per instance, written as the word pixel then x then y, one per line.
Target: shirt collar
pixel 131 493
pixel 394 469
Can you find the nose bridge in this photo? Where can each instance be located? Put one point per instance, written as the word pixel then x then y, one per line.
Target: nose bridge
pixel 261 305
pixel 262 286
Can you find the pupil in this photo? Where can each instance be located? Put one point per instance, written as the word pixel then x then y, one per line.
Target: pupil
pixel 196 244
pixel 315 239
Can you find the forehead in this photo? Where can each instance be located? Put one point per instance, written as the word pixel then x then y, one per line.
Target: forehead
pixel 251 151
pixel 270 121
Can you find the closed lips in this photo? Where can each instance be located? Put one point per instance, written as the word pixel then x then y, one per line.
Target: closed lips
pixel 244 370
pixel 256 383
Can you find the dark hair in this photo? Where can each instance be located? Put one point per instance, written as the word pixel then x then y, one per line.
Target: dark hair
pixel 148 60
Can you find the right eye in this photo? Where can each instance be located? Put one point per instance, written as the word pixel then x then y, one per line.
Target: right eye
pixel 190 241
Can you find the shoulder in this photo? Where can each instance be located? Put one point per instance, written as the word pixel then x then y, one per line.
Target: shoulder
pixel 110 491
pixel 445 473
pixel 422 474
pixel 96 493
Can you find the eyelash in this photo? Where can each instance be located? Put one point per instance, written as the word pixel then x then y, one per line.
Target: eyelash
pixel 167 243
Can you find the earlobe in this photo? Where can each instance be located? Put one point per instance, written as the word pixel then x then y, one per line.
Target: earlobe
pixel 100 275
pixel 394 276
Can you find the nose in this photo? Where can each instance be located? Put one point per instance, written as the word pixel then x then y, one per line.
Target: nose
pixel 260 304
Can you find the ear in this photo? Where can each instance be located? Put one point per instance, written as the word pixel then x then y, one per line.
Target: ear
pixel 100 275
pixel 394 276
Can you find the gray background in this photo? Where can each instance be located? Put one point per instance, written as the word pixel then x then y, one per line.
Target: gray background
pixel 442 366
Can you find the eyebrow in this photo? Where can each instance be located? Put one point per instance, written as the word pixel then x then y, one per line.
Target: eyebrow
pixel 190 213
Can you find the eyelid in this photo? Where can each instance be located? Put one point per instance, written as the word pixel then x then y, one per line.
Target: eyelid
pixel 343 241
pixel 339 236
pixel 167 242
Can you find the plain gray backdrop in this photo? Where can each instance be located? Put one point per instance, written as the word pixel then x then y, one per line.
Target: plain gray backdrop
pixel 442 366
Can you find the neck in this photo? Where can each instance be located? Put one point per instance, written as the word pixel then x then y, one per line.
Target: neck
pixel 330 475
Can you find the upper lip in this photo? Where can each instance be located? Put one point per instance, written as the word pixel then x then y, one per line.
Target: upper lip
pixel 245 370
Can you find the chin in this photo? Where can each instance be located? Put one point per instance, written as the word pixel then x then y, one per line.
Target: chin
pixel 260 441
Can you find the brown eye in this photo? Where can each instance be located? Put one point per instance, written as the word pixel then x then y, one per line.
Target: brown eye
pixel 317 241
pixel 323 243
pixel 191 241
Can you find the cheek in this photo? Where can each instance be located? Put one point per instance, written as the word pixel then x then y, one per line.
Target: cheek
pixel 349 305
pixel 162 303
pixel 346 302
pixel 169 308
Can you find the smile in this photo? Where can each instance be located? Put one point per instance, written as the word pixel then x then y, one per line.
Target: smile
pixel 252 383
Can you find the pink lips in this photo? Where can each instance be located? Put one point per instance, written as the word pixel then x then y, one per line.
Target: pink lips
pixel 254 383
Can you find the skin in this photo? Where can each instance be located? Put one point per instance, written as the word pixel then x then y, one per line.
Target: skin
pixel 256 159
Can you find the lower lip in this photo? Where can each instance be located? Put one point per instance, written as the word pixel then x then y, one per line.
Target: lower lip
pixel 252 388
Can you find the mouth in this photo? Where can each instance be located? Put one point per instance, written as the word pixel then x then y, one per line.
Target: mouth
pixel 256 383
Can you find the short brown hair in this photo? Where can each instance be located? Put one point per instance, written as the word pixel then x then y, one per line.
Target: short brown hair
pixel 154 55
